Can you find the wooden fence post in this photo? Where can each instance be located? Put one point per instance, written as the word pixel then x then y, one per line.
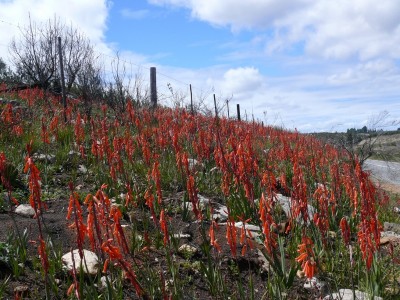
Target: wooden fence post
pixel 215 107
pixel 191 100
pixel 153 87
pixel 64 98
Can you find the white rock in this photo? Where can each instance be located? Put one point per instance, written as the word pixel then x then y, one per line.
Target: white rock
pixel 395 227
pixel 103 281
pixel 187 249
pixel 50 158
pixel 73 153
pixel 215 169
pixel 90 260
pixel 314 283
pixel 203 200
pixel 182 236
pixel 82 169
pixel 390 234
pixel 252 228
pixel 286 204
pixel 347 294
pixel 25 210
pixel 265 265
pixel 194 163
pixel 221 213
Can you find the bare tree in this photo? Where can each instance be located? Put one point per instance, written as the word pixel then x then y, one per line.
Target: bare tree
pixel 361 144
pixel 35 55
pixel 118 86
pixel 90 83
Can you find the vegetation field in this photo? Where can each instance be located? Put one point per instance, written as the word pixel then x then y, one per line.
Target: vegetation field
pixel 182 206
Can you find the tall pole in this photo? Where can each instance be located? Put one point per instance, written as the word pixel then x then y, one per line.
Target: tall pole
pixel 215 107
pixel 153 87
pixel 238 111
pixel 64 98
pixel 227 106
pixel 191 100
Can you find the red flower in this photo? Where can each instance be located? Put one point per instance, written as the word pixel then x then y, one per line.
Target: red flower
pixel 306 257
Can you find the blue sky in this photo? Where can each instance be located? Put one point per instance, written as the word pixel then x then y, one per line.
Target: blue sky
pixel 314 65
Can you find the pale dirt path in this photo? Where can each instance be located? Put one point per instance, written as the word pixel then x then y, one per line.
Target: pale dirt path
pixel 387 174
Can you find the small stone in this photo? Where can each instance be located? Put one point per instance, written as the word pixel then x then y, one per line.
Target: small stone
pixel 25 210
pixel 21 291
pixel 73 153
pixel 332 234
pixel 248 226
pixel 347 294
pixel 387 238
pixel 314 283
pixel 203 201
pixel 103 281
pixel 221 213
pixel 49 158
pixel 215 169
pixel 90 261
pixel 391 227
pixel 264 263
pixel 182 236
pixel 300 273
pixel 187 250
pixel 396 210
pixel 82 169
pixel 194 164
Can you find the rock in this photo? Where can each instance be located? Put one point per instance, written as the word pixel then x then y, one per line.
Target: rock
pixel 25 210
pixel 49 158
pixel 194 164
pixel 300 273
pixel 264 263
pixel 315 283
pixel 332 235
pixel 391 227
pixel 389 237
pixel 73 153
pixel 182 235
pixel 203 201
pixel 21 291
pixel 215 169
pixel 347 294
pixel 396 209
pixel 103 281
pixel 252 228
pixel 221 213
pixel 90 261
pixel 187 250
pixel 286 204
pixel 82 169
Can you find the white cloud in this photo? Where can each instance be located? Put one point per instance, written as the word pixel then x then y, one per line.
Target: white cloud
pixel 135 14
pixel 237 14
pixel 338 29
pixel 89 16
pixel 241 81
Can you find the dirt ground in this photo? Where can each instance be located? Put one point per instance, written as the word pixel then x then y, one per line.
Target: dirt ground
pixel 63 238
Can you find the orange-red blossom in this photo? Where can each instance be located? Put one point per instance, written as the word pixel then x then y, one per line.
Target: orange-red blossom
pixel 306 257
